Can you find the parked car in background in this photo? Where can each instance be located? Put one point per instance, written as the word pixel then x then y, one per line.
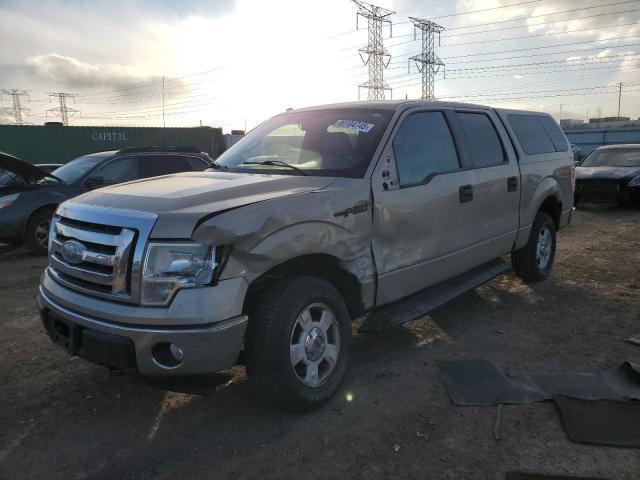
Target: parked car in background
pixel 314 218
pixel 610 174
pixel 577 153
pixel 30 195
pixel 49 167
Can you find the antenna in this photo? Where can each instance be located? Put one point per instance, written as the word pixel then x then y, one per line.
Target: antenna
pixel 374 55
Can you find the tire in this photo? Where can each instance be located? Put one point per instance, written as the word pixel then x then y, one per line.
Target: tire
pixel 37 231
pixel 533 262
pixel 285 338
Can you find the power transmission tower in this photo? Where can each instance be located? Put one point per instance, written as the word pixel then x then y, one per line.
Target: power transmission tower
pixel 16 110
pixel 427 61
pixel 374 55
pixel 63 111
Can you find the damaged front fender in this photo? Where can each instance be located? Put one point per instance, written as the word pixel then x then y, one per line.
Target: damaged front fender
pixel 334 221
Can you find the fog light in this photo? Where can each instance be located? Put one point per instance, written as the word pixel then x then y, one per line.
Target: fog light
pixel 167 355
pixel 177 352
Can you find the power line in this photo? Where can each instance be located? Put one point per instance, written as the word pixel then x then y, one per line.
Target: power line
pixel 374 55
pixel 452 14
pixel 564 70
pixel 521 37
pixel 534 65
pixel 16 110
pixel 478 11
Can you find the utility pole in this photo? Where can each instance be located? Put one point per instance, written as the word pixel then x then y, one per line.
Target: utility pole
pixel 63 111
pixel 163 123
pixel 619 97
pixel 560 118
pixel 427 61
pixel 16 110
pixel 374 55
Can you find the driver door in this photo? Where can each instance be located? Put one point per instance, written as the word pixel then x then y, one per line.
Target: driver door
pixel 423 206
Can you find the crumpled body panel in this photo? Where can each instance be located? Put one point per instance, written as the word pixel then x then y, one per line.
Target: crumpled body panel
pixel 334 221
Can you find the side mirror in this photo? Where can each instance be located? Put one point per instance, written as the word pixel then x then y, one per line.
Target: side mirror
pixel 94 182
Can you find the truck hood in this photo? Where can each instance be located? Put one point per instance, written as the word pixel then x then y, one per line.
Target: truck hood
pixel 606 173
pixel 181 201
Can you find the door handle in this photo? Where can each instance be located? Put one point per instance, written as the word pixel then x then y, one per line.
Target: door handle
pixel 466 193
pixel 512 184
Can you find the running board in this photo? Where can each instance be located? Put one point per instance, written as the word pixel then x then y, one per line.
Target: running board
pixel 421 303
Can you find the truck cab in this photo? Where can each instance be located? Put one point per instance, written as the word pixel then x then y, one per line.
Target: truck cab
pixel 316 217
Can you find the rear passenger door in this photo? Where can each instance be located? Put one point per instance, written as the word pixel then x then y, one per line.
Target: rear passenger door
pixel 494 183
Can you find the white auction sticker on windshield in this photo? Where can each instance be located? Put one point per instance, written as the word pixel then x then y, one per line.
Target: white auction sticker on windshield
pixel 354 125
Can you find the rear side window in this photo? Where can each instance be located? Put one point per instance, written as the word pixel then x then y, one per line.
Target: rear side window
pixel 424 146
pixel 556 136
pixel 196 164
pixel 485 145
pixel 532 134
pixel 156 165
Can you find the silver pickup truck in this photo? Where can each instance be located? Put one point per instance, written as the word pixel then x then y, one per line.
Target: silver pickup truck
pixel 318 216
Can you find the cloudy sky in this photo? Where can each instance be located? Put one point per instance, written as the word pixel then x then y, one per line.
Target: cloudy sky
pixel 230 62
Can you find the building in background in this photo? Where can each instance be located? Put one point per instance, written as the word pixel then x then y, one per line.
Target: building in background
pixel 602 131
pixel 55 143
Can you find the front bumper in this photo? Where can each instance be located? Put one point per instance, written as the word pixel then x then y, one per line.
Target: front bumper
pixel 207 348
pixel 606 192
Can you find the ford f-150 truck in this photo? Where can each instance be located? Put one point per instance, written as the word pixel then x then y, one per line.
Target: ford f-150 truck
pixel 316 217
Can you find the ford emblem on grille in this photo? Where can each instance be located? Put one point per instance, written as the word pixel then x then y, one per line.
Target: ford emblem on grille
pixel 72 251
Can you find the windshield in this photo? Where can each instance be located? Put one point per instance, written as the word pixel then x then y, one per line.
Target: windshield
pixel 333 142
pixel 7 177
pixel 620 157
pixel 76 169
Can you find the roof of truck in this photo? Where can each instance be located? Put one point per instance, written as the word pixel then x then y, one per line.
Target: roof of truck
pixel 395 104
pixel 385 105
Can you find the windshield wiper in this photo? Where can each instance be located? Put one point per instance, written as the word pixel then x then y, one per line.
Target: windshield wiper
pixel 278 163
pixel 217 166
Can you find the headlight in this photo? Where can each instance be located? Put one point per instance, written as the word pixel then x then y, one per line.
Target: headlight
pixel 171 266
pixel 7 200
pixel 635 182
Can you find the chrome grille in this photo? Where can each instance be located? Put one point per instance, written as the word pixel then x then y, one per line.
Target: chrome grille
pixel 95 258
pixel 98 251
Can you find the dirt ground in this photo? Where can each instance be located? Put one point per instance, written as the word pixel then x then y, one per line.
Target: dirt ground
pixel 63 418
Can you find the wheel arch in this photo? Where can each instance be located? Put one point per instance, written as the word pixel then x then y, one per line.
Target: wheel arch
pixel 552 206
pixel 547 199
pixel 321 265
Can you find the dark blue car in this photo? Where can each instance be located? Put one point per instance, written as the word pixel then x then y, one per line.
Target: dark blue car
pixel 29 195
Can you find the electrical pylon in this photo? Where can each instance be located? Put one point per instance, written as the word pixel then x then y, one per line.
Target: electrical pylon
pixel 63 111
pixel 16 110
pixel 374 55
pixel 427 61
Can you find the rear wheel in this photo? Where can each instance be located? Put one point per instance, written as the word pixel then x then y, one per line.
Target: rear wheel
pixel 37 231
pixel 298 343
pixel 533 262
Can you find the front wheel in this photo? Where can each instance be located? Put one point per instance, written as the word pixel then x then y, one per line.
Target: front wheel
pixel 297 346
pixel 533 262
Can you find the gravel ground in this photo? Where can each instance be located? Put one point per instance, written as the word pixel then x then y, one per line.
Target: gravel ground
pixel 63 418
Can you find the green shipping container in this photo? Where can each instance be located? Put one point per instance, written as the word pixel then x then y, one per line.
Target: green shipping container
pixel 59 144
